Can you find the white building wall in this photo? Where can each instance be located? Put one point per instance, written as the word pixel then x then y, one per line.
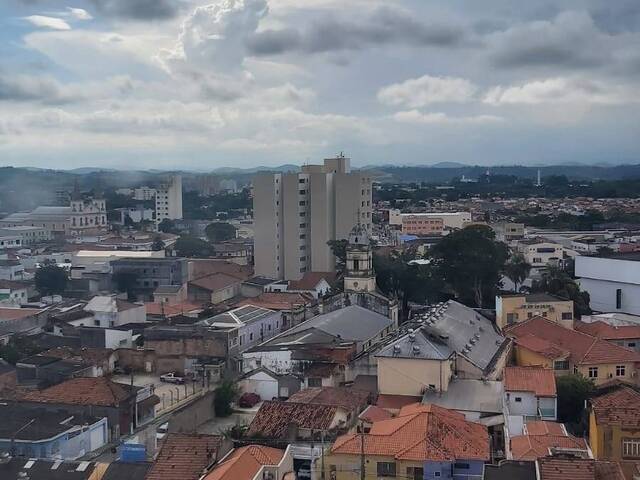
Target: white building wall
pixel 268 222
pixel 602 277
pixel 261 384
pixel 528 404
pixel 169 200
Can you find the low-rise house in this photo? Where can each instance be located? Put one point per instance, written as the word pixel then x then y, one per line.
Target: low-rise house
pixel 477 400
pixel 187 456
pixel 332 338
pixel 99 397
pixel 21 320
pixel 567 467
pixel 13 293
pixel 170 294
pixel 42 371
pixel 530 392
pixel 541 342
pixel 540 253
pixel 512 309
pixel 317 284
pixel 423 441
pixel 215 288
pixel 34 432
pixel 269 385
pixel 11 270
pixel 623 335
pixel 255 325
pixel 614 424
pixel 253 462
pixel 541 439
pixel 150 273
pixel 110 311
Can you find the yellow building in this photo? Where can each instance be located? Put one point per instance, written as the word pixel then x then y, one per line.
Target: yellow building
pixel 614 425
pixel 512 309
pixel 541 342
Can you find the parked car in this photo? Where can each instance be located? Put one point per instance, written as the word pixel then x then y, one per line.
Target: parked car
pixel 171 378
pixel 162 431
pixel 249 400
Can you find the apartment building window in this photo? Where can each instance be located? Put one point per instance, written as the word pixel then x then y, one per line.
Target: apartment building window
pixel 461 466
pixel 303 247
pixel 314 382
pixel 621 370
pixel 302 203
pixel 303 235
pixel 301 180
pixel 303 259
pixel 386 469
pixel 303 214
pixel 567 316
pixel 593 372
pixel 512 318
pixel 618 298
pixel 303 225
pixel 631 447
pixel 537 260
pixel 302 192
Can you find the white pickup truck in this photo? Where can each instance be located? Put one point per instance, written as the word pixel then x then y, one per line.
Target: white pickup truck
pixel 171 378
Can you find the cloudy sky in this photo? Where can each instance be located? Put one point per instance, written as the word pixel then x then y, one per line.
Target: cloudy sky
pixel 200 84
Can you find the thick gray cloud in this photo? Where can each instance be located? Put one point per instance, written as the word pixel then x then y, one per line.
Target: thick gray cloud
pixel 383 26
pixel 138 9
pixel 23 88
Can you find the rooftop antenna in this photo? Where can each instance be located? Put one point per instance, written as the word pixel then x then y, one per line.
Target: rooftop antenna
pixel 539 182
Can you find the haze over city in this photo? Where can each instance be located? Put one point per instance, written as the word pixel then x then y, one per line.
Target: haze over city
pixel 202 84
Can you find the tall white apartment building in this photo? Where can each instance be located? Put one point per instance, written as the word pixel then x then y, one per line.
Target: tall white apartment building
pixel 296 214
pixel 169 199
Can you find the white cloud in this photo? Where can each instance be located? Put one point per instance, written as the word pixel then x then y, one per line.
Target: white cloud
pixel 419 92
pixel 440 118
pixel 48 22
pixel 79 13
pixel 562 90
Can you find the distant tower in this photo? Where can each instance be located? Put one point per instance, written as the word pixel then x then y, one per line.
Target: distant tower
pixel 539 182
pixel 359 275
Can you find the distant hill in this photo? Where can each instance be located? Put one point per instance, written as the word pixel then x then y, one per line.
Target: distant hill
pixel 280 169
pixel 448 165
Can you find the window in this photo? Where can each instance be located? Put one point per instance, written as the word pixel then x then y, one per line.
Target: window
pixel 415 473
pixel 593 372
pixel 512 318
pixel 436 474
pixel 631 447
pixel 518 399
pixel 619 298
pixel 314 382
pixel 302 203
pixel 461 466
pixel 386 469
pixel 631 344
pixel 621 371
pixel 303 225
pixel 302 192
pixel 561 365
pixel 250 336
pixel 567 316
pixel 356 264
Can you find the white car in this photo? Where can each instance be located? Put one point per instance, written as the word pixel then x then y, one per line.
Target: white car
pixel 171 378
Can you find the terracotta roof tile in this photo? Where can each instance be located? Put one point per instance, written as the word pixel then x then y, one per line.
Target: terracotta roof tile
pixel 540 437
pixel 608 332
pixel 619 407
pixel 420 433
pixel 311 279
pixel 348 398
pixel 541 347
pixel 184 457
pixel 216 281
pixel 82 391
pixel 172 310
pixel 245 462
pixel 374 413
pixel 274 418
pixel 17 313
pixel 541 427
pixel 557 468
pixel 278 300
pixel 538 380
pixel 583 349
pixel 395 402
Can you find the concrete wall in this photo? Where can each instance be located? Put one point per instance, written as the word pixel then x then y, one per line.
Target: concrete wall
pixel 405 376
pixel 528 404
pixel 187 419
pixel 517 305
pixel 268 223
pixel 322 222
pixel 294 215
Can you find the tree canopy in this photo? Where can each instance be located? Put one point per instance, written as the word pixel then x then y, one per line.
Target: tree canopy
pixel 470 262
pixel 226 393
pixel 189 246
pixel 517 270
pixel 220 232
pixel 51 279
pixel 126 282
pixel 573 390
pixel 557 282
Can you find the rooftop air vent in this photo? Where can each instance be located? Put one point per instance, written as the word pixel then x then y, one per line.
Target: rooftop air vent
pixel 412 337
pixel 416 349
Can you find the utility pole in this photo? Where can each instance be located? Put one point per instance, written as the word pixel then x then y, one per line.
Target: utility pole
pixel 15 434
pixel 362 473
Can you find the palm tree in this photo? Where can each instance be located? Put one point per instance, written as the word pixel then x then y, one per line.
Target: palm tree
pixel 517 270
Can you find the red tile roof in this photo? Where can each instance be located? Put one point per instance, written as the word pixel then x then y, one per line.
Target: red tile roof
pixel 608 332
pixel 542 347
pixel 619 407
pixel 172 310
pixel 560 468
pixel 541 427
pixel 540 437
pixel 395 402
pixel 347 398
pixel 420 433
pixel 310 280
pixel 244 463
pixel 540 381
pixel 374 413
pixel 278 300
pixel 82 391
pixel 202 267
pixel 17 313
pixel 184 457
pixel 274 418
pixel 216 281
pixel 583 349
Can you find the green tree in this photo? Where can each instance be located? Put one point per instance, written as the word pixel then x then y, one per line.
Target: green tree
pixel 157 244
pixel 573 390
pixel 517 270
pixel 220 232
pixel 470 261
pixel 51 279
pixel 339 250
pixel 189 246
pixel 225 395
pixel 167 226
pixel 126 282
pixel 557 282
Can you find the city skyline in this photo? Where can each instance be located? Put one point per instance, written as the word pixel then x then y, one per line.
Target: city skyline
pixel 202 84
